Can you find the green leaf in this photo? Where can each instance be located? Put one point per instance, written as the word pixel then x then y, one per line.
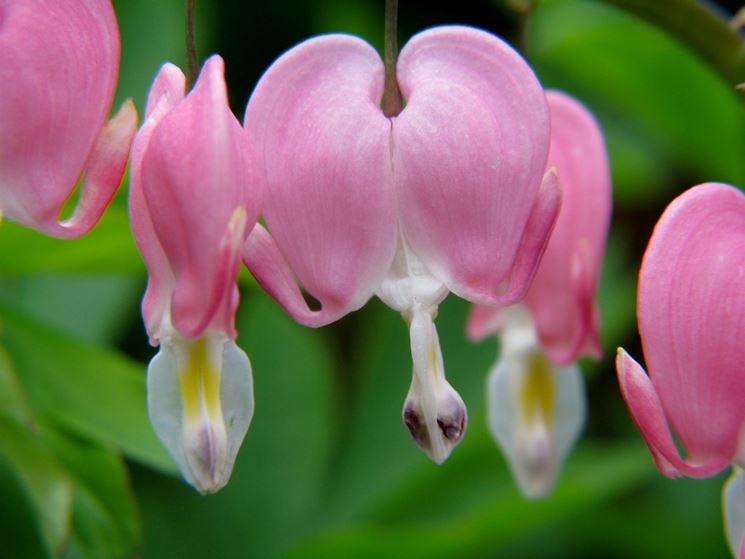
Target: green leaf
pixel 90 390
pixel 501 517
pixel 712 36
pixel 13 402
pixel 96 308
pixel 668 117
pixel 45 483
pixel 109 247
pixel 19 526
pixel 105 520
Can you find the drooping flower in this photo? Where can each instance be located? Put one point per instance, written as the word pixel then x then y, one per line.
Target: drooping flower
pixel 535 393
pixel 691 312
pixel 59 61
pixel 193 200
pixel 447 196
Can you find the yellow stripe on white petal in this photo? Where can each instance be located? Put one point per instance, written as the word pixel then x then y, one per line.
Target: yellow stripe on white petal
pixel 200 402
pixel 536 411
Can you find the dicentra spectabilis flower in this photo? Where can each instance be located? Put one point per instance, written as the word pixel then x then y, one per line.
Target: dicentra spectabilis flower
pixel 447 196
pixel 535 392
pixel 691 312
pixel 193 201
pixel 59 61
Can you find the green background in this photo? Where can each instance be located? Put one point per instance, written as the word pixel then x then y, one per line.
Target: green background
pixel 327 469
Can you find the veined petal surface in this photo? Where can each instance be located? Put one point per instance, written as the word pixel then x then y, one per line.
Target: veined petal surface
pixel 197 183
pixel 691 311
pixel 59 61
pixel 469 154
pixel 562 295
pixel 167 91
pixel 323 152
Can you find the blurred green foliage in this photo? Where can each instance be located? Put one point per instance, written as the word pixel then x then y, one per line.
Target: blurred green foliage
pixel 327 470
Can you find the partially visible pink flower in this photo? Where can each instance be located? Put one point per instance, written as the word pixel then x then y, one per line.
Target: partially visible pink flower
pixel 193 201
pixel 536 399
pixel 59 61
pixel 447 196
pixel 691 312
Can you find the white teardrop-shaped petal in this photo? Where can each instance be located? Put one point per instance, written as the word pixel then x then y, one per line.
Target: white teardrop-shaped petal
pixel 433 411
pixel 535 411
pixel 200 402
pixel 733 507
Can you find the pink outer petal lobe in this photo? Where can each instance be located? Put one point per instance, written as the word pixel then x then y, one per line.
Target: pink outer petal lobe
pixel 167 90
pixel 58 66
pixel 322 146
pixel 196 174
pixel 691 310
pixel 469 154
pixel 562 295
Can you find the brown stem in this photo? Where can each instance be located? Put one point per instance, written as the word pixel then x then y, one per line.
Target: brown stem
pixel 192 60
pixel 392 101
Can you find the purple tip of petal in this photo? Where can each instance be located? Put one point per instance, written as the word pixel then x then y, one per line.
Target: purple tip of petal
pixel 562 295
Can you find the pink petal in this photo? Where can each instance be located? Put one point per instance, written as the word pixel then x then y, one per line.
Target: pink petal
pixel 58 66
pixel 103 173
pixel 469 154
pixel 167 90
pixel 483 321
pixel 195 176
pixel 271 271
pixel 691 310
pixel 648 414
pixel 562 296
pixel 323 148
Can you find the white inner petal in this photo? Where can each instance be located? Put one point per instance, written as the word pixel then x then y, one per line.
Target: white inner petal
pixel 535 409
pixel 200 401
pixel 433 411
pixel 733 507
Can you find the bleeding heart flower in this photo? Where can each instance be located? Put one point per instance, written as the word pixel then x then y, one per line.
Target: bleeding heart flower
pixel 192 203
pixel 59 61
pixel 691 311
pixel 449 195
pixel 535 392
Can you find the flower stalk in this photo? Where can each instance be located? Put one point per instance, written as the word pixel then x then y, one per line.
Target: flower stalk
pixel 192 60
pixel 392 100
